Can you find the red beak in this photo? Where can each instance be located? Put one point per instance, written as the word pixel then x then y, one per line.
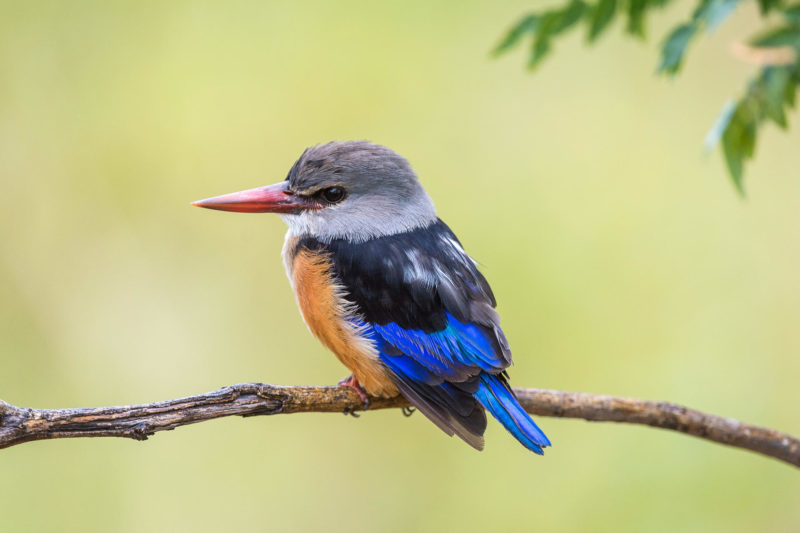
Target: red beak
pixel 270 199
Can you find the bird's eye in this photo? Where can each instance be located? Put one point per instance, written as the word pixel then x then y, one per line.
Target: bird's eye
pixel 332 195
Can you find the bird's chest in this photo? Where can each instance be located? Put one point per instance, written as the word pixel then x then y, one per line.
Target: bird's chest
pixel 325 311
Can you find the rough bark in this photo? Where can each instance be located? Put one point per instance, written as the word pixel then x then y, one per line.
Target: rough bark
pixel 18 425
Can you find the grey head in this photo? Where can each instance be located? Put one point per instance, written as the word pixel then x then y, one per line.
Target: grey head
pixel 364 190
pixel 351 190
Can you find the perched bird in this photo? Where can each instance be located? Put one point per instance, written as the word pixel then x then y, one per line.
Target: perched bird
pixel 384 284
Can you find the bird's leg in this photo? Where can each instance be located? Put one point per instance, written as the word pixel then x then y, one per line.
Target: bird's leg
pixel 352 383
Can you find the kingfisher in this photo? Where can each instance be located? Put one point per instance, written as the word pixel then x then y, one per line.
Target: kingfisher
pixel 386 286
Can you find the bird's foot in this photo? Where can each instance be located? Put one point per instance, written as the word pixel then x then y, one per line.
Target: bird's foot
pixel 352 383
pixel 407 411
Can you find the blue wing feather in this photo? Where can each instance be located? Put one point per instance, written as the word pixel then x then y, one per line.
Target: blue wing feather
pixel 447 371
pixel 461 349
pixel 495 394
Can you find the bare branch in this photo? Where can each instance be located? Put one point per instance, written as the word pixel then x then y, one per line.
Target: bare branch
pixel 18 425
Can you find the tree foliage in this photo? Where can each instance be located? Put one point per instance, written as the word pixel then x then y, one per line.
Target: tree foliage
pixel 767 97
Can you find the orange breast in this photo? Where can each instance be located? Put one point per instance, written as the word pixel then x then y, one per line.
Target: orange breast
pixel 324 309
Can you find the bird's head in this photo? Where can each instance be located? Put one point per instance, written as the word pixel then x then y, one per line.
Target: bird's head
pixel 354 190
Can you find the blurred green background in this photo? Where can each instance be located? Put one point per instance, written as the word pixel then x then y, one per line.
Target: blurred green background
pixel 623 260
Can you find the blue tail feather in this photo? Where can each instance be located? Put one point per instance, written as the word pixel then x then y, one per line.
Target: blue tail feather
pixel 496 396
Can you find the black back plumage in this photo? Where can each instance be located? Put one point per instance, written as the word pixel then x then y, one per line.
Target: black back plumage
pixel 412 279
pixel 416 279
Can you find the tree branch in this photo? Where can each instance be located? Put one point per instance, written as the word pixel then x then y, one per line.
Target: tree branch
pixel 18 425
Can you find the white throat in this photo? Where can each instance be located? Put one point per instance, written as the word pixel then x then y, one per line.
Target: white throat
pixel 362 220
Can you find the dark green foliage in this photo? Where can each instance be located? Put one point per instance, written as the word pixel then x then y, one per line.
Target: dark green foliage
pixel 599 17
pixel 708 15
pixel 788 35
pixel 768 5
pixel 542 27
pixel 674 48
pixel 551 24
pixel 635 12
pixel 711 13
pixel 525 25
pixel 768 95
pixel 739 139
pixel 792 14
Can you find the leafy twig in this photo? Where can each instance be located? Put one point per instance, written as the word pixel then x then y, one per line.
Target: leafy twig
pixel 769 94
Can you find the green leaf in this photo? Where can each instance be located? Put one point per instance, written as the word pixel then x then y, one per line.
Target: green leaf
pixel 789 95
pixel 792 14
pixel 541 41
pixel 551 24
pixel 713 12
pixel 780 36
pixel 720 125
pixel 636 9
pixel 775 82
pixel 767 97
pixel 749 118
pixel 525 25
pixel 600 15
pixel 768 5
pixel 738 137
pixel 674 48
pixel 708 14
pixel 572 14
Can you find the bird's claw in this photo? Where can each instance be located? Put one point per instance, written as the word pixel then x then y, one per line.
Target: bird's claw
pixel 407 411
pixel 351 382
